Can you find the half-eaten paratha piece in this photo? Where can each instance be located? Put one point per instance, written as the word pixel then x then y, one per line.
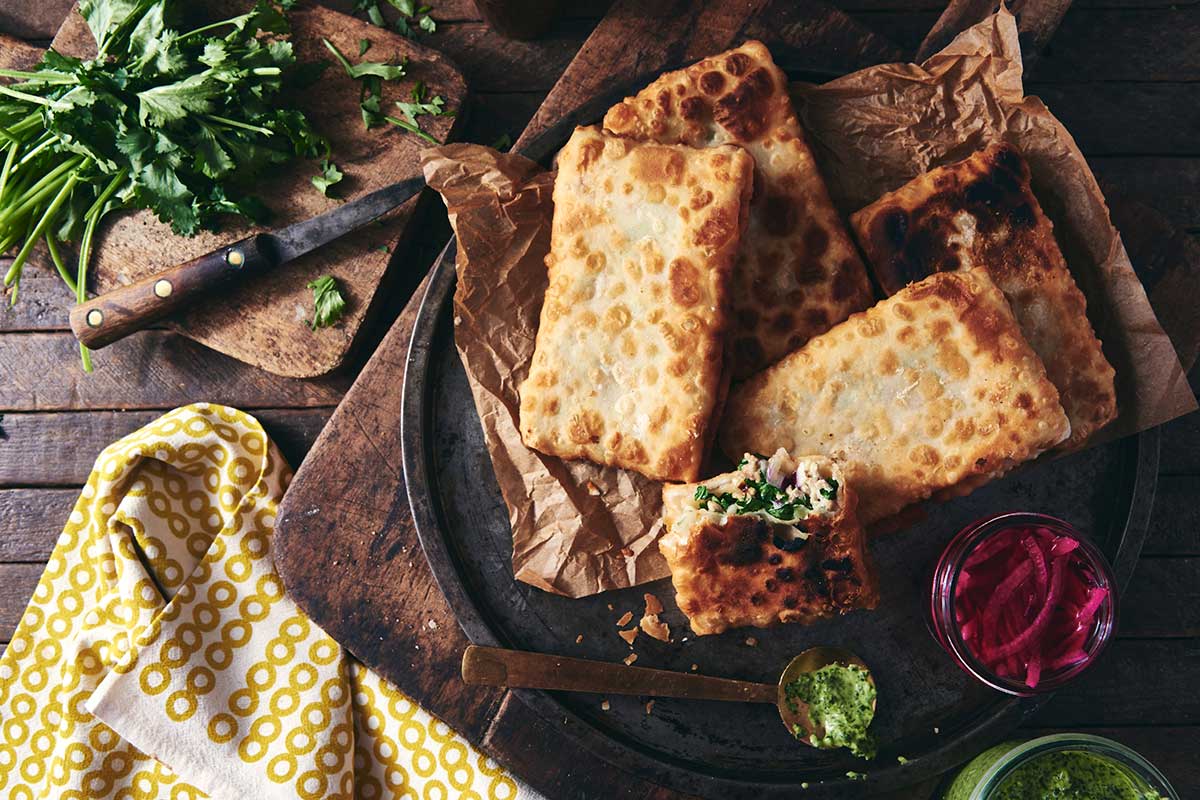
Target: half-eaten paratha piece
pixel 798 272
pixel 981 212
pixel 930 389
pixel 777 540
pixel 628 364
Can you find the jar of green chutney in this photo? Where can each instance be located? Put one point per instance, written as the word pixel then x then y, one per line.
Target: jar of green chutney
pixel 1065 766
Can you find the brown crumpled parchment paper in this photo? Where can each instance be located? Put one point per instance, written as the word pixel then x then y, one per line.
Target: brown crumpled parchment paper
pixel 875 130
pixel 579 528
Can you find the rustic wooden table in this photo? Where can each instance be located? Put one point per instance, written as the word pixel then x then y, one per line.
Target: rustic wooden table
pixel 1124 75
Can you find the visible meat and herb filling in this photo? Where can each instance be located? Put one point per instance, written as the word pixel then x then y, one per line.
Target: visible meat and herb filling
pixel 776 540
pixel 771 487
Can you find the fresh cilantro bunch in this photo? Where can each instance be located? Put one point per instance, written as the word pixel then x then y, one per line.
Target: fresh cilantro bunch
pixel 168 118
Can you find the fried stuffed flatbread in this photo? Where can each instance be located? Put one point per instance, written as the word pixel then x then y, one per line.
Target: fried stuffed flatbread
pixel 628 365
pixel 797 272
pixel 981 212
pixel 929 390
pixel 775 541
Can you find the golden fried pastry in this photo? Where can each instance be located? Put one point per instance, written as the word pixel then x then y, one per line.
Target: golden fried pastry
pixel 981 212
pixel 775 541
pixel 930 389
pixel 797 271
pixel 628 364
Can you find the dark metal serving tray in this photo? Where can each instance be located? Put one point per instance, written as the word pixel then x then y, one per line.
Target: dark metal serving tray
pixel 930 712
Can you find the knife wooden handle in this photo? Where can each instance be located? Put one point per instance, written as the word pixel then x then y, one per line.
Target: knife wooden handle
pixel 494 666
pixel 112 316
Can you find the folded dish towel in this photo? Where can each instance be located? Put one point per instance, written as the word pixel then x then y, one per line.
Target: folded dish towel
pixel 161 658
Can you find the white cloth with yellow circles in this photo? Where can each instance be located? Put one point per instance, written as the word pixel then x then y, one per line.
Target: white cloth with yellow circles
pixel 161 658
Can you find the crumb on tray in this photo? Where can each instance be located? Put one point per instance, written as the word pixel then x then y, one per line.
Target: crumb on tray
pixel 656 628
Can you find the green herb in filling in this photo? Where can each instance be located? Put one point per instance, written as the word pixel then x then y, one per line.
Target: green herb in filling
pixel 759 495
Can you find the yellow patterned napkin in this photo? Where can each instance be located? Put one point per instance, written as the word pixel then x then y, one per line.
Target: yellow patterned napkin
pixel 161 658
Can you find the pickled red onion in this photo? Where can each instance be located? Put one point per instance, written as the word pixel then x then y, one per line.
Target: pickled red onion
pixel 1026 603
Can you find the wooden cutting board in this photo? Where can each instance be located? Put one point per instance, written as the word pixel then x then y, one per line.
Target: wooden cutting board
pixel 345 542
pixel 262 321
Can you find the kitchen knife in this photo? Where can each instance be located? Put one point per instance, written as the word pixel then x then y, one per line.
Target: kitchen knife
pixel 112 316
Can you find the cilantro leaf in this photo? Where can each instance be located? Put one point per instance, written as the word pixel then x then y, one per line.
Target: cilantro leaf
pixel 327 178
pixel 420 105
pixel 328 303
pixel 174 101
pixel 105 17
pixel 387 72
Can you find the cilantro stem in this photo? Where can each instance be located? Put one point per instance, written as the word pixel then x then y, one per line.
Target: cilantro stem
pixel 236 21
pixel 85 254
pixel 42 76
pixel 39 190
pixel 408 126
pixel 8 162
pixel 233 123
pixel 97 208
pixel 46 140
pixel 32 98
pixel 14 271
pixel 345 62
pixel 59 265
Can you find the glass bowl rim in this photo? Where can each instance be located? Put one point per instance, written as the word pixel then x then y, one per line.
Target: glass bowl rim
pixel 1025 752
pixel 963 544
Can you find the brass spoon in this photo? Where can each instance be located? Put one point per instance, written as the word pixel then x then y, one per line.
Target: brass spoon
pixel 516 669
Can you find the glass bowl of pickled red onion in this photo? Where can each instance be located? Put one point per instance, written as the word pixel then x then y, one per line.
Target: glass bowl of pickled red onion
pixel 1023 602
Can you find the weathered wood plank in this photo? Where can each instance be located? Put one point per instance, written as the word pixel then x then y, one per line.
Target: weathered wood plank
pixel 17 582
pixel 33 20
pixel 30 521
pixel 1169 185
pixel 479 52
pixel 1090 45
pixel 1124 45
pixel 154 369
pixel 1119 118
pixel 43 301
pixel 58 449
pixel 497 114
pixel 1162 600
pixel 1136 682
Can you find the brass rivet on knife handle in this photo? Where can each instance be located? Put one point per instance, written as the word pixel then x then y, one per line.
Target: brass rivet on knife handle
pixel 112 316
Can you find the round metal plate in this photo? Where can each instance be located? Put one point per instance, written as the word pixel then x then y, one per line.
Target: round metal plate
pixel 929 712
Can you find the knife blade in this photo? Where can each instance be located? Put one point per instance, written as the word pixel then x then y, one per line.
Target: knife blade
pixel 116 314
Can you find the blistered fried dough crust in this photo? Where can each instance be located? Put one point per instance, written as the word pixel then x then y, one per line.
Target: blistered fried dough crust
pixel 929 389
pixel 797 272
pixel 627 367
pixel 981 212
pixel 730 572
